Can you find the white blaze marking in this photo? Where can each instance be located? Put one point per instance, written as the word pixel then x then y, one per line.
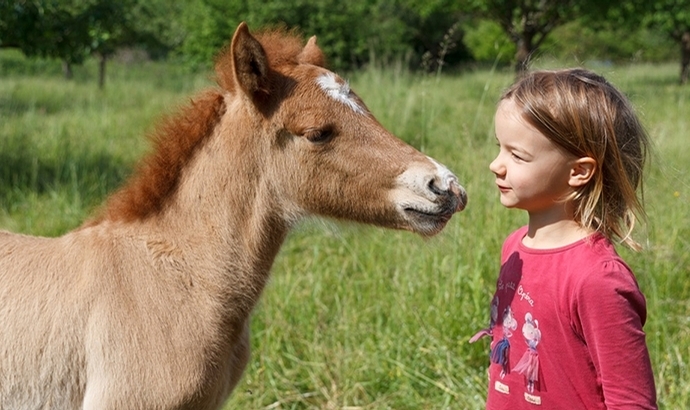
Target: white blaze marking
pixel 339 91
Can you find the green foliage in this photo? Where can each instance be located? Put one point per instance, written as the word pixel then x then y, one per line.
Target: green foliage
pixel 488 42
pixel 529 24
pixel 157 26
pixel 47 28
pixel 73 29
pixel 431 35
pixel 672 16
pixel 207 25
pixel 575 41
pixel 351 34
pixel 584 43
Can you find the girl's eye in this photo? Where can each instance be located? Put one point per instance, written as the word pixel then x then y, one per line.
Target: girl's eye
pixel 516 157
pixel 319 136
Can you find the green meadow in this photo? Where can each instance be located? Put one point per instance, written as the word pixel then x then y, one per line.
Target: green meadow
pixel 357 317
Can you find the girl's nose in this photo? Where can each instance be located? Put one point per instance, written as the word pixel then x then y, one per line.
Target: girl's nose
pixel 495 166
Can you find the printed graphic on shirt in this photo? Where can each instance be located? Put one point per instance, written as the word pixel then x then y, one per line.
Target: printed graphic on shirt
pixel 502 388
pixel 524 295
pixel 529 398
pixel 500 353
pixel 512 296
pixel 528 365
pixel 501 313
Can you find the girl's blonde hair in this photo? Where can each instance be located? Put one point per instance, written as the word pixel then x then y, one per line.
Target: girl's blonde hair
pixel 588 117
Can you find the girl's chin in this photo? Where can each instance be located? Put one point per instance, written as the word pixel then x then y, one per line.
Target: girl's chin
pixel 507 202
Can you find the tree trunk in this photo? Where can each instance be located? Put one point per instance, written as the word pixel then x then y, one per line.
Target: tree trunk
pixel 685 57
pixel 67 69
pixel 522 55
pixel 101 71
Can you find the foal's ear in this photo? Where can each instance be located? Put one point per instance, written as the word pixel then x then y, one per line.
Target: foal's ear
pixel 312 54
pixel 250 64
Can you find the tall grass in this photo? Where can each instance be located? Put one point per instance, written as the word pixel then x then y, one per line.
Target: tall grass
pixel 357 317
pixel 65 144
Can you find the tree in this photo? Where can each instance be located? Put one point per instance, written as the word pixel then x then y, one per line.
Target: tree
pixel 51 29
pixel 436 31
pixel 351 33
pixel 673 17
pixel 70 30
pixel 528 22
pixel 109 27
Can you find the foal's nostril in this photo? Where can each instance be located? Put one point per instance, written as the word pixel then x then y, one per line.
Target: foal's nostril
pixel 433 188
pixel 448 190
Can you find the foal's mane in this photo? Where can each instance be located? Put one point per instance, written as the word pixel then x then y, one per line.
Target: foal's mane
pixel 178 137
pixel 156 177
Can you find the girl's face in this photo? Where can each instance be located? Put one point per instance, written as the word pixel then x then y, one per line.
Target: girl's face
pixel 532 173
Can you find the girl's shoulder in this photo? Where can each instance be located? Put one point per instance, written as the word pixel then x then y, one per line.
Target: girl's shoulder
pixel 601 271
pixel 602 255
pixel 607 288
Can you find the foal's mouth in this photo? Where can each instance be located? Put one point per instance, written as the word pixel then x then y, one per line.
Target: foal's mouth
pixel 435 220
pixel 443 214
pixel 426 222
pixel 432 219
pixel 447 206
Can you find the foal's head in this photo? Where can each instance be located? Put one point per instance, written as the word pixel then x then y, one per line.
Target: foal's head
pixel 322 150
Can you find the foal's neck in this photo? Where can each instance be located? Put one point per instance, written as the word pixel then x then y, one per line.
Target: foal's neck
pixel 223 208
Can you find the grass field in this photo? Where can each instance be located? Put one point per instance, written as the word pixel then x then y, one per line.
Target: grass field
pixel 356 317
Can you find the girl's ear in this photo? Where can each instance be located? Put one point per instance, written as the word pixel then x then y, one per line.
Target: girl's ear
pixel 582 171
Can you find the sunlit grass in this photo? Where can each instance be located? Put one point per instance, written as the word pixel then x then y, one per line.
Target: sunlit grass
pixel 358 317
pixel 64 145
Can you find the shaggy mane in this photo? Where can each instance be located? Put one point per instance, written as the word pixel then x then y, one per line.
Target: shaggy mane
pixel 156 177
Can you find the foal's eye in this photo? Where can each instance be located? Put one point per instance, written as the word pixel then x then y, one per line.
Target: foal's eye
pixel 319 136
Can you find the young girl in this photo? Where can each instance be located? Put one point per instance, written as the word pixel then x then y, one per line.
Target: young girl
pixel 567 314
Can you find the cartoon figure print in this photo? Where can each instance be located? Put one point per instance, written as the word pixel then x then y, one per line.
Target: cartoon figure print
pixel 528 365
pixel 500 354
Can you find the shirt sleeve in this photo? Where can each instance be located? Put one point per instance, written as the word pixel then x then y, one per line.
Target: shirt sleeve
pixel 609 312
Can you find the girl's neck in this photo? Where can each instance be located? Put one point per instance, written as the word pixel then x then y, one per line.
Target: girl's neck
pixel 553 232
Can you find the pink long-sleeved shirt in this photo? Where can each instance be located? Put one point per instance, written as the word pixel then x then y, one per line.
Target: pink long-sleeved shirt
pixel 566 327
